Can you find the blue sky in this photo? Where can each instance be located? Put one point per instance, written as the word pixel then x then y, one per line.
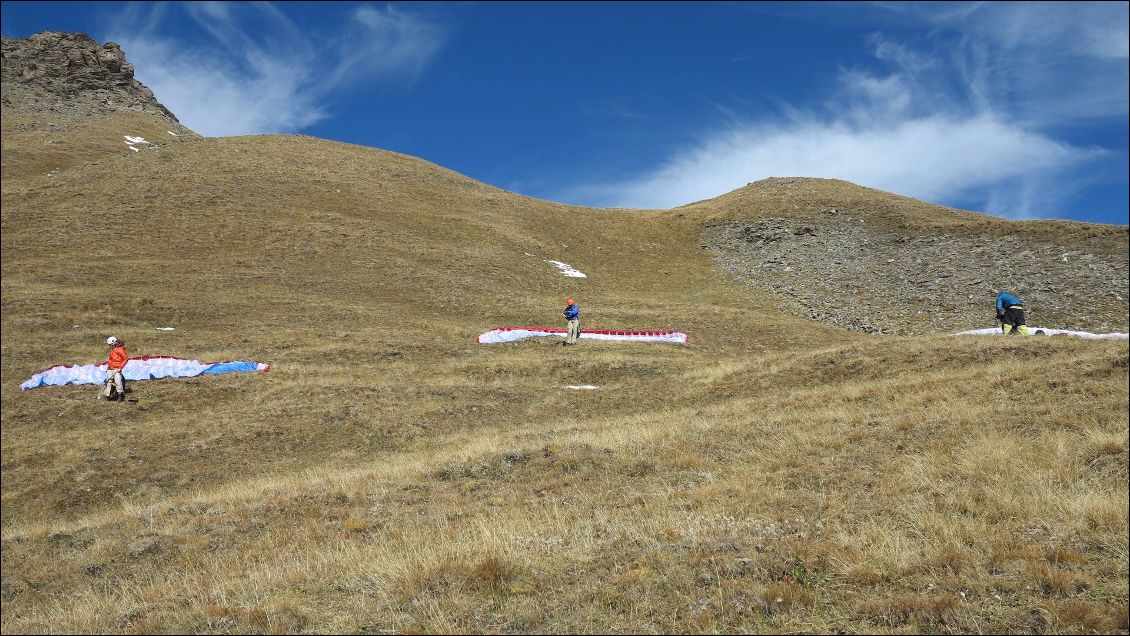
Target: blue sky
pixel 1015 109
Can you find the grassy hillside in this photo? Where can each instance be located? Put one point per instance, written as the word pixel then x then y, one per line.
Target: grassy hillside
pixel 44 145
pixel 390 474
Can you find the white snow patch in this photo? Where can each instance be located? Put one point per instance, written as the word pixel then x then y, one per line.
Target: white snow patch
pixel 567 269
pixel 172 133
pixel 165 328
pixel 581 387
pixel 995 331
pixel 133 141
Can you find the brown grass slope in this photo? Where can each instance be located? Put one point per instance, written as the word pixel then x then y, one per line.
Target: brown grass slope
pixel 389 474
pixel 38 144
pixel 313 255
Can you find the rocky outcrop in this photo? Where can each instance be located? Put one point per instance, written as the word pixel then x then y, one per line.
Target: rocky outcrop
pixel 71 74
pixel 841 267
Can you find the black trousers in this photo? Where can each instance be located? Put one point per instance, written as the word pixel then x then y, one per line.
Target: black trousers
pixel 1014 316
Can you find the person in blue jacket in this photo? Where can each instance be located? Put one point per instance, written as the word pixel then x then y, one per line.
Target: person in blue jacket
pixel 1010 313
pixel 572 314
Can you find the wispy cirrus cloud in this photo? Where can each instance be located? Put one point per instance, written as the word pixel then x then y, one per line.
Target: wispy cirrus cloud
pixel 933 158
pixel 966 112
pixel 256 71
pixel 1045 64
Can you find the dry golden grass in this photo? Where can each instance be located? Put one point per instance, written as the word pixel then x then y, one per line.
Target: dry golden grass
pixel 390 475
pixel 47 144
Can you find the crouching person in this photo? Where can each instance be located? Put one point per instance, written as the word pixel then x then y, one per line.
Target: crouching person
pixel 115 388
pixel 1010 313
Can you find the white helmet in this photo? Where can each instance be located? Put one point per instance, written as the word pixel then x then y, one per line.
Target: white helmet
pixel 111 341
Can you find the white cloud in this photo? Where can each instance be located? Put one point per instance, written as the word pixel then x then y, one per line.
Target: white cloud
pixel 215 99
pixel 901 55
pixel 1086 28
pixel 1046 62
pixel 964 116
pixel 933 159
pixel 275 78
pixel 387 42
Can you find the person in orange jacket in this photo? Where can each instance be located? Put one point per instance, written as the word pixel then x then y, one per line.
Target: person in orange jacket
pixel 115 388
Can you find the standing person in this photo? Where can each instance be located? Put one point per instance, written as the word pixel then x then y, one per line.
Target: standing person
pixel 1010 313
pixel 572 314
pixel 114 379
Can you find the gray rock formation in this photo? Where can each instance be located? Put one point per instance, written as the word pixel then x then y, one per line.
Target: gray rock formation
pixel 71 74
pixel 841 268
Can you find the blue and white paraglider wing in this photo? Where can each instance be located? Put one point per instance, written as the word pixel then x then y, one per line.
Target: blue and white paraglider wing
pixel 143 368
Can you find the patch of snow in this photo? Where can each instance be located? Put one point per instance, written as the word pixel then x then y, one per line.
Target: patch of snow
pixel 165 328
pixel 133 141
pixel 172 133
pixel 581 387
pixel 567 269
pixel 995 331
